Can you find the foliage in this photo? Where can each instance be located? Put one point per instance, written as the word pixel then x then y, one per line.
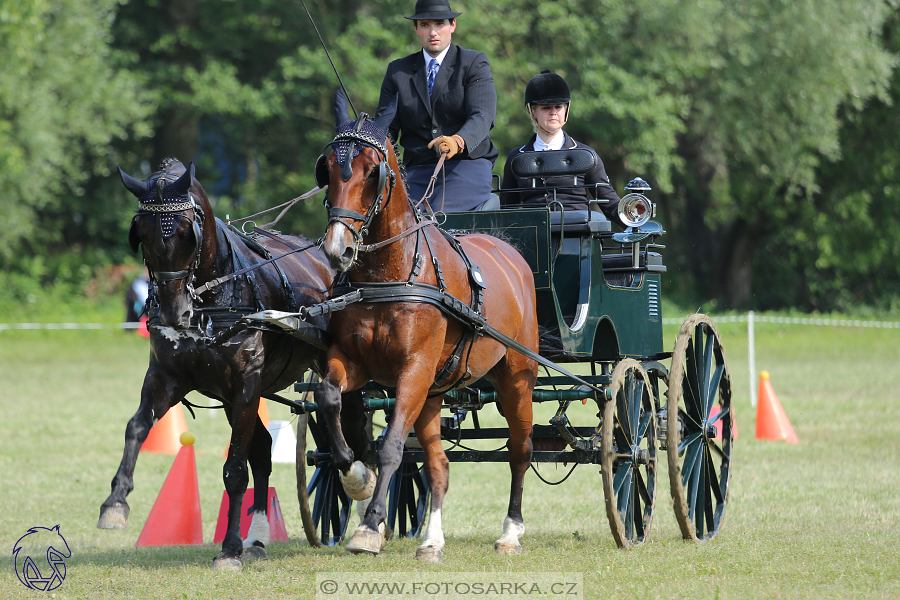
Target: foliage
pixel 64 100
pixel 735 112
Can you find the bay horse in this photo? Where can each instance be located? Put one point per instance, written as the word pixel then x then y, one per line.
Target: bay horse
pixel 375 236
pixel 184 244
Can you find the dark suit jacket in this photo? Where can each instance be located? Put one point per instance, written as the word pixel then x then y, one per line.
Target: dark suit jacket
pixel 463 102
pixel 572 198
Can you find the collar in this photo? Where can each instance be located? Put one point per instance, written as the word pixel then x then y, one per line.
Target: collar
pixel 439 58
pixel 556 143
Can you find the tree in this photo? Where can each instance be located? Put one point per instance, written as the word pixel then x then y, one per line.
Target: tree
pixel 64 100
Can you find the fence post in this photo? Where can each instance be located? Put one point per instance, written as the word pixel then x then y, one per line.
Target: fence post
pixel 751 358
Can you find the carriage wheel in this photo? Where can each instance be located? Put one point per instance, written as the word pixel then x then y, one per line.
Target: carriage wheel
pixel 629 454
pixel 324 507
pixel 408 500
pixel 699 442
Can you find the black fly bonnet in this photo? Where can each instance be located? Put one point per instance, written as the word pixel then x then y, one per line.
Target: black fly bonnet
pixel 165 196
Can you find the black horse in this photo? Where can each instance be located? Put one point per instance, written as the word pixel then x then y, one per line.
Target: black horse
pixel 198 341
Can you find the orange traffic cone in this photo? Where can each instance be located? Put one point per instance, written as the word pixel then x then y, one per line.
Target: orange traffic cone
pixel 163 437
pixel 277 529
pixel 771 421
pixel 264 412
pixel 175 517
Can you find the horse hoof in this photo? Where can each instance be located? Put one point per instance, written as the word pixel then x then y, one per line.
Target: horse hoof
pixel 429 554
pixel 113 517
pixel 222 562
pixel 254 552
pixel 365 541
pixel 358 481
pixel 507 548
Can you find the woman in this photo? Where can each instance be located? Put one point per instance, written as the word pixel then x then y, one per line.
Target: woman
pixel 547 101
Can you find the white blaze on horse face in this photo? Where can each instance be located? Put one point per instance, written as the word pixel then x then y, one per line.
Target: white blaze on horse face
pixel 335 241
pixel 259 530
pixel 434 533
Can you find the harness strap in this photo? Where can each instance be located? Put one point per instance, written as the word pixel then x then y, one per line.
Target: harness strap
pixel 429 294
pixel 239 263
pixel 383 243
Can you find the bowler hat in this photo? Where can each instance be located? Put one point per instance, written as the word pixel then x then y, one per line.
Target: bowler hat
pixel 427 10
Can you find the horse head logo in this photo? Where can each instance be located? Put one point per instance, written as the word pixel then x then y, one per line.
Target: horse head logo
pixel 40 558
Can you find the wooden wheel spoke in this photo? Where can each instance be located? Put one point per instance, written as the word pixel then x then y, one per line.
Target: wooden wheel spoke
pixel 623 444
pixel 690 384
pixel 642 488
pixel 720 415
pixel 636 404
pixel 706 369
pixel 712 484
pixel 644 423
pixel 690 470
pixel 713 477
pixel 622 481
pixel 637 512
pixel 697 492
pixel 692 438
pixel 692 401
pixel 323 501
pixel 722 454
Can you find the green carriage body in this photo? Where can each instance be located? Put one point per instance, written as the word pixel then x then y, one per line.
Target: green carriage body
pixel 589 292
pixel 599 303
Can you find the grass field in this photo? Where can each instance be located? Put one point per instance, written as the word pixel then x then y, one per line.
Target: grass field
pixel 814 520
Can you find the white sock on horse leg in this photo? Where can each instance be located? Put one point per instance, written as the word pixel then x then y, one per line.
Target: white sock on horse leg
pixel 259 530
pixel 434 533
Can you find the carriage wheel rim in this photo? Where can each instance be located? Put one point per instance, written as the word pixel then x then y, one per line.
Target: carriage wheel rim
pixel 699 465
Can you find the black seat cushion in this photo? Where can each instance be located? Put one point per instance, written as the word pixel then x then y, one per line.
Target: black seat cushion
pixel 554 163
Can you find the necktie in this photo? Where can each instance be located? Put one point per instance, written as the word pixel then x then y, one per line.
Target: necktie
pixel 433 67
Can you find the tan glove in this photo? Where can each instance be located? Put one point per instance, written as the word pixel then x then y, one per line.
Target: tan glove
pixel 452 145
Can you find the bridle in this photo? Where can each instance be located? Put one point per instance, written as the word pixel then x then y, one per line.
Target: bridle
pixel 346 142
pixel 159 248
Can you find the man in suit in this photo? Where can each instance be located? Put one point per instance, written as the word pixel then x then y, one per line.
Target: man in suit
pixel 446 103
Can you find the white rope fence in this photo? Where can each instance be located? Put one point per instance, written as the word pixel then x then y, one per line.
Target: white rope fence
pixel 10 326
pixel 751 319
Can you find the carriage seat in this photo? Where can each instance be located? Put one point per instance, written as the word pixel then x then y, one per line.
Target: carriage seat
pixel 554 163
pixel 579 222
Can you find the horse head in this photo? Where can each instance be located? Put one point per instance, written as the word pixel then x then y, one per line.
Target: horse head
pixel 360 171
pixel 170 228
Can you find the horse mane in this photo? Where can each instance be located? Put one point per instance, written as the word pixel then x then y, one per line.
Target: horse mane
pixel 402 173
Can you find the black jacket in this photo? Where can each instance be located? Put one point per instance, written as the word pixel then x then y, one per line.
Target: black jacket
pixel 572 198
pixel 463 102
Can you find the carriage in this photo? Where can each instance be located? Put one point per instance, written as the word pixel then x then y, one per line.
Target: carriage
pixel 598 303
pixel 591 295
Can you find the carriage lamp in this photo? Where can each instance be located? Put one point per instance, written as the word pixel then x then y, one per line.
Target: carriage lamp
pixel 635 209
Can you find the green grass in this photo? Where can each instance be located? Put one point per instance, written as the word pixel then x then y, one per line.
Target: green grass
pixel 814 520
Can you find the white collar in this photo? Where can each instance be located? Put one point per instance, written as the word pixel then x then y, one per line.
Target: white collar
pixel 556 143
pixel 439 58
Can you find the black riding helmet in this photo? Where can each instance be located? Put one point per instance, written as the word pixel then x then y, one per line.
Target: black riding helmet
pixel 547 88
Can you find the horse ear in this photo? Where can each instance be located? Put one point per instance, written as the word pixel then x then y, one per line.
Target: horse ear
pixel 340 108
pixel 184 183
pixel 385 117
pixel 135 186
